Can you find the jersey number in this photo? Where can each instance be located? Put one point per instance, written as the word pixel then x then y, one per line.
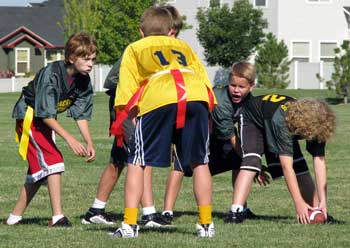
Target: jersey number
pixel 179 57
pixel 273 98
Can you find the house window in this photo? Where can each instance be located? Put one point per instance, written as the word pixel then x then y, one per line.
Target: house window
pixel 260 3
pixel 22 61
pixel 53 55
pixel 327 53
pixel 301 51
pixel 319 1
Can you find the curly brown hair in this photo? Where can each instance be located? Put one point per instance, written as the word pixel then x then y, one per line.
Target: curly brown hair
pixel 312 119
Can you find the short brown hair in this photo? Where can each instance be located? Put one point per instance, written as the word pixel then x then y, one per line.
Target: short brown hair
pixel 156 21
pixel 312 119
pixel 79 45
pixel 244 70
pixel 177 18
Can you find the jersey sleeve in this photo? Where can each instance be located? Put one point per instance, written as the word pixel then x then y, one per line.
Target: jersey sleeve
pixel 223 125
pixel 279 134
pixel 128 78
pixel 112 78
pixel 316 148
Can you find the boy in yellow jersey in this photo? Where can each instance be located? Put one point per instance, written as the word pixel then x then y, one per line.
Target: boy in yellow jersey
pixel 163 82
pixel 118 159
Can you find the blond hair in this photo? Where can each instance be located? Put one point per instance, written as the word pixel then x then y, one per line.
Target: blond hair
pixel 79 45
pixel 156 21
pixel 312 119
pixel 244 70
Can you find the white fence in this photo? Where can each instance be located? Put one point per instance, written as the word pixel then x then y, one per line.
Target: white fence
pixel 302 76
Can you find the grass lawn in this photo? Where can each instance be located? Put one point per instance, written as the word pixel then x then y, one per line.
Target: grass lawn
pixel 277 228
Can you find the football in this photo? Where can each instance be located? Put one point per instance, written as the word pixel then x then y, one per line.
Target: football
pixel 316 217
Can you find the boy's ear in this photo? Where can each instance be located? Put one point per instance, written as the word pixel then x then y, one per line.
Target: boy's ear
pixel 141 33
pixel 172 33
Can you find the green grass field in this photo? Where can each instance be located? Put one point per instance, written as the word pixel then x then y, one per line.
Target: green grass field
pixel 277 228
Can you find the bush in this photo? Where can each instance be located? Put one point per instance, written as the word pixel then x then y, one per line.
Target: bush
pixel 7 73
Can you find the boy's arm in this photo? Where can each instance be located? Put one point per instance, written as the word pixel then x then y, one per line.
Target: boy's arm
pixel 319 163
pixel 85 132
pixel 78 148
pixel 301 206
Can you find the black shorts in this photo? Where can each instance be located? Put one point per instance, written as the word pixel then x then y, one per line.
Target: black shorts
pixel 222 158
pixel 254 145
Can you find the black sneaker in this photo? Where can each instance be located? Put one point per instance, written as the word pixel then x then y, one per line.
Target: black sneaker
pixel 154 220
pixel 63 222
pixel 235 217
pixel 330 220
pixel 248 214
pixel 168 217
pixel 96 216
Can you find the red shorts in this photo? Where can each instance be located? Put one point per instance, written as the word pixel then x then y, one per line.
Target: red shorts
pixel 43 156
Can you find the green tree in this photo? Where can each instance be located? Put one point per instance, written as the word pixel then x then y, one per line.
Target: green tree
pixel 272 63
pixel 229 35
pixel 114 23
pixel 340 80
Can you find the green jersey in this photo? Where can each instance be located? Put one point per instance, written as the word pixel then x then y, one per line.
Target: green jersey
pixel 50 93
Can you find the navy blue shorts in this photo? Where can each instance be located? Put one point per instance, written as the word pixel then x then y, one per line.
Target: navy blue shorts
pixel 156 131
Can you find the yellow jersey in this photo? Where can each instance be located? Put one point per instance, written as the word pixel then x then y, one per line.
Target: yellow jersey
pixel 150 60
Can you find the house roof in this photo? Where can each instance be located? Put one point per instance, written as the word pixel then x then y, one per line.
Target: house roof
pixel 40 22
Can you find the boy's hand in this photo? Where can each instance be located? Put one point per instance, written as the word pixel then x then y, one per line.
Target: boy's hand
pixel 91 153
pixel 263 178
pixel 77 147
pixel 302 209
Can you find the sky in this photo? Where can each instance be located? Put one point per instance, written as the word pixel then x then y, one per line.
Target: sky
pixel 18 2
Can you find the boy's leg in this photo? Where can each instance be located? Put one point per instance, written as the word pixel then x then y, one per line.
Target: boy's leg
pixel 54 188
pixel 133 190
pixel 202 188
pixel 172 190
pixel 26 195
pixel 96 214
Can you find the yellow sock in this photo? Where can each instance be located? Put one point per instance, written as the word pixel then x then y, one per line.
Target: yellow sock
pixel 130 216
pixel 204 214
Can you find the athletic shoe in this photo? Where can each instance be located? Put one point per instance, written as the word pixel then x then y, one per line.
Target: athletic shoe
pixel 17 223
pixel 331 220
pixel 96 216
pixel 235 217
pixel 154 220
pixel 63 222
pixel 248 214
pixel 125 231
pixel 168 217
pixel 205 230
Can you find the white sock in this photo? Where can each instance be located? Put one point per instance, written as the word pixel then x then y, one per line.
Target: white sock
pixel 148 210
pixel 236 208
pixel 99 204
pixel 56 218
pixel 168 211
pixel 13 219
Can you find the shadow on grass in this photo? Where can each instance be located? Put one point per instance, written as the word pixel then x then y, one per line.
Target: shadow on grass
pixel 35 221
pixel 334 100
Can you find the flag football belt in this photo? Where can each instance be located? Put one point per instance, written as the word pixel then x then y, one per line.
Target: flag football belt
pixel 24 140
pixel 116 128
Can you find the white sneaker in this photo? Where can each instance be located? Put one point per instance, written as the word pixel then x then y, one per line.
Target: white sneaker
pixel 205 230
pixel 126 231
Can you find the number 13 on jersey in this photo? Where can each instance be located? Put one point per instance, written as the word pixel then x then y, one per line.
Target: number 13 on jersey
pixel 180 57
